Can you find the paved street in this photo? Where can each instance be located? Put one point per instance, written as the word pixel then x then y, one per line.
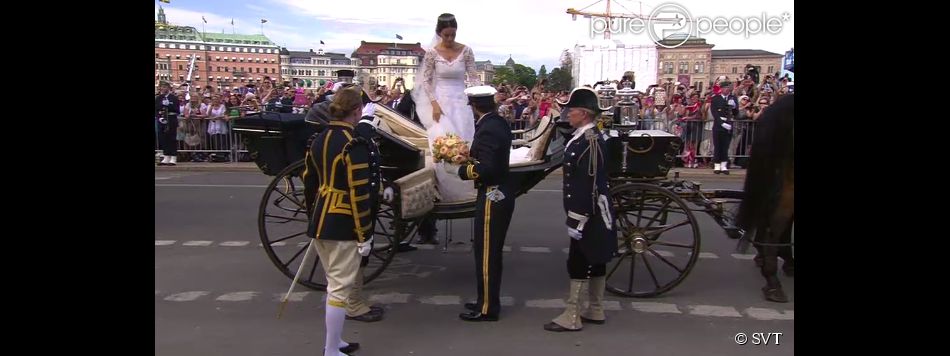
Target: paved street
pixel 216 291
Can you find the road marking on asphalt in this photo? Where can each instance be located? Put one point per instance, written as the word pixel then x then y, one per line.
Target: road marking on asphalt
pixel 769 314
pixel 714 310
pixel 186 296
pixel 708 255
pixel 653 307
pixel 164 242
pixel 741 256
pixel 197 243
pixel 237 296
pixel 507 301
pixel 506 249
pixel 442 300
pixel 294 297
pixel 535 249
pixel 390 298
pixel 234 243
pixel 545 303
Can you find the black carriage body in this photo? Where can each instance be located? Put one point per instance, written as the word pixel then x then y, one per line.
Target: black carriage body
pixel 275 140
pixel 641 154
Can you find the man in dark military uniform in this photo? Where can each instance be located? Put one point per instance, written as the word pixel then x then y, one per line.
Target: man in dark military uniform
pixel 166 113
pixel 589 213
pixel 338 188
pixel 724 108
pixel 495 200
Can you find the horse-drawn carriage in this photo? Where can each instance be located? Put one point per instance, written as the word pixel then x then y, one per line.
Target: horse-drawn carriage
pixel 659 235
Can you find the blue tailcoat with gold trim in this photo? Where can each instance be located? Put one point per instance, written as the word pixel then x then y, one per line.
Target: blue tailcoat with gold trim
pixel 337 184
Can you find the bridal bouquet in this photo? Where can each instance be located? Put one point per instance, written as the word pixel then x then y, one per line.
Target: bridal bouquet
pixel 450 148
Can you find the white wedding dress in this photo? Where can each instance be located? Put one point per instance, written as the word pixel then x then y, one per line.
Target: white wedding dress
pixel 446 81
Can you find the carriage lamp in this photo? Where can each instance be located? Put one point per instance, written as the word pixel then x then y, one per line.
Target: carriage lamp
pixel 628 109
pixel 607 94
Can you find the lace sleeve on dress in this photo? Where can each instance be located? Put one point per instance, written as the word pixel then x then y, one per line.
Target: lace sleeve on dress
pixel 428 71
pixel 470 71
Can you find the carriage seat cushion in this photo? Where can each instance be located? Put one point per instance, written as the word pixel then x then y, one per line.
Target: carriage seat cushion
pixel 417 192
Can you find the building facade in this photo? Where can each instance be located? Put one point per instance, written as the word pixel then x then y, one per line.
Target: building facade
pixel 313 69
pixel 486 71
pixel 223 61
pixel 690 63
pixel 383 63
pixel 732 62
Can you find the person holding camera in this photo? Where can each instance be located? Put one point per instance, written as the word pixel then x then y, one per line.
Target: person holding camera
pixel 337 188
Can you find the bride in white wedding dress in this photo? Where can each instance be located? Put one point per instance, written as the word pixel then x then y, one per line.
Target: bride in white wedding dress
pixel 447 69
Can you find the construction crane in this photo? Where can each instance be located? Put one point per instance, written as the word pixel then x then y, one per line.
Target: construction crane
pixel 610 16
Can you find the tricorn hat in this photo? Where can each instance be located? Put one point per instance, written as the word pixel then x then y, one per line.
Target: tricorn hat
pixel 584 98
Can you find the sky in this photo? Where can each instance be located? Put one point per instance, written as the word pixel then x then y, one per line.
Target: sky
pixel 532 32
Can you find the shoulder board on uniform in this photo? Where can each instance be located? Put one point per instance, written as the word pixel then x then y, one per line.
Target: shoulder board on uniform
pixel 357 140
pixel 590 134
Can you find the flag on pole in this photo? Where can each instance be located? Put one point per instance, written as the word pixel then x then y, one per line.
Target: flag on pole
pixel 203 19
pixel 263 21
pixel 232 22
pixel 398 36
pixel 166 1
pixel 321 42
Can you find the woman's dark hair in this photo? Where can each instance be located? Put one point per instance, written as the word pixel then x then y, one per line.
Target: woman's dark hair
pixel 445 21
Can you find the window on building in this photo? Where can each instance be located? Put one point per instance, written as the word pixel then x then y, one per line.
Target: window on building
pixel 321 73
pixel 667 67
pixel 192 47
pixel 258 70
pixel 181 77
pixel 770 69
pixel 180 67
pixel 684 68
pixel 735 70
pixel 156 55
pixel 273 71
pixel 225 69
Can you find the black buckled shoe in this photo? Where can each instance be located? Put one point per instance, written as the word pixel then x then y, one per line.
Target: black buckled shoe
pixel 475 316
pixel 374 314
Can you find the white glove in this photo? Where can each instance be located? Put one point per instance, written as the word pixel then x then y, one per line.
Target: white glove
pixel 451 168
pixel 574 234
pixel 726 126
pixel 388 194
pixel 369 110
pixel 366 247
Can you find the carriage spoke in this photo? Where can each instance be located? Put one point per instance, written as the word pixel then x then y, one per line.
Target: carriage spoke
pixel 654 234
pixel 671 244
pixel 633 265
pixel 292 198
pixel 296 255
pixel 658 212
pixel 650 269
pixel 287 218
pixel 665 261
pixel 288 237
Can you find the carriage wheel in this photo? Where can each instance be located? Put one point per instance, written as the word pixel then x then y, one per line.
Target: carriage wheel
pixel 283 221
pixel 658 239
